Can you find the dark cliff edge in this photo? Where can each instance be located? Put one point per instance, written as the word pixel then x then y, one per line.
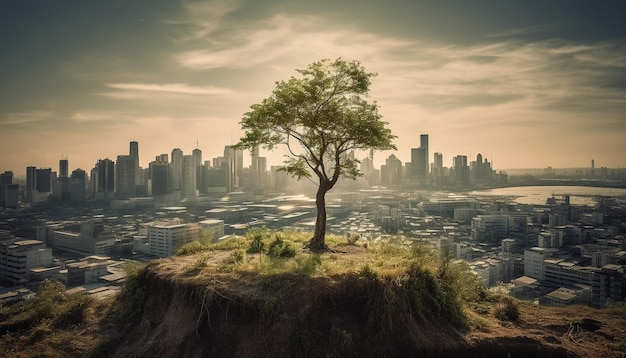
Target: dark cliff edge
pixel 288 315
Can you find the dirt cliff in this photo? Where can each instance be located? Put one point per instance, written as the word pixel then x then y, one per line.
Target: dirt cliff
pixel 189 314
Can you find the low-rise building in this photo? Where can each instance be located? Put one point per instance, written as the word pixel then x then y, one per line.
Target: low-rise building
pixel 534 265
pixel 87 238
pixel 166 237
pixel 18 257
pixel 213 227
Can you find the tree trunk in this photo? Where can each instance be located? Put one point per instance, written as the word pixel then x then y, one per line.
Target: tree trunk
pixel 318 242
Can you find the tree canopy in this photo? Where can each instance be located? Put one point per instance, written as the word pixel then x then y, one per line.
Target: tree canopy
pixel 322 116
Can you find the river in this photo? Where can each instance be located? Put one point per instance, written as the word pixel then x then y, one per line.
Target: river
pixel 537 195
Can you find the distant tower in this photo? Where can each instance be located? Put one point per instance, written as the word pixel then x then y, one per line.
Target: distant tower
pixel 176 170
pixel 63 168
pixel 461 170
pixel 235 160
pixel 104 181
pixel 64 179
pixel 593 167
pixel 197 160
pixel 125 176
pixel 134 155
pixel 159 177
pixel 424 146
pixel 78 184
pixel 188 176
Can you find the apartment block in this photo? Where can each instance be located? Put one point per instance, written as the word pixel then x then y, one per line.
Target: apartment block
pixel 18 257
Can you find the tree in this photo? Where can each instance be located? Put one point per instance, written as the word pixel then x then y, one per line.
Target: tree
pixel 322 118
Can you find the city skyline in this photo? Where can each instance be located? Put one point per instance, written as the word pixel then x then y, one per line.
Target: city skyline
pixel 527 85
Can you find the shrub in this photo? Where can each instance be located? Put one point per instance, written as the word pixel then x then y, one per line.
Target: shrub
pixel 238 256
pixel 352 238
pixel 506 309
pixel 257 236
pixel 202 244
pixel 368 273
pixel 282 248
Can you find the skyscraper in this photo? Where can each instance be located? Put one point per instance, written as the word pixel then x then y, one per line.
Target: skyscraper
pixel 64 180
pixel 197 159
pixel 176 170
pixel 461 170
pixel 419 158
pixel 235 160
pixel 134 154
pixel 159 178
pixel 63 168
pixel 125 176
pixel 189 176
pixel 103 180
pixel 424 146
pixel 78 184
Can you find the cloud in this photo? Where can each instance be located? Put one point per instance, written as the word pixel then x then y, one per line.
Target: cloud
pixel 282 38
pixel 25 118
pixel 179 88
pixel 202 18
pixel 523 31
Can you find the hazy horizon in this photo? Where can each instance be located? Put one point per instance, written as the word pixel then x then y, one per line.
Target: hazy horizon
pixel 528 85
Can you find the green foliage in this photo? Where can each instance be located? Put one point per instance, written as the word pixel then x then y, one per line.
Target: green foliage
pixel 282 248
pixel 321 117
pixel 202 244
pixel 47 323
pixel 352 238
pixel 307 264
pixel 238 256
pixel 256 238
pixel 206 243
pixel 132 297
pixel 368 273
pixel 232 243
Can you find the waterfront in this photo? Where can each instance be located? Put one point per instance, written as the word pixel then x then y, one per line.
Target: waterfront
pixel 537 195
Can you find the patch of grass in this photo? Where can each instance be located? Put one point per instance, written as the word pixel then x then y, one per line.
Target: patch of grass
pixel 238 256
pixel 506 309
pixel 202 244
pixel 307 264
pixel 46 325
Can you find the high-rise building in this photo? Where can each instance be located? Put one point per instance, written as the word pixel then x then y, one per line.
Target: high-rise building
pixel 189 176
pixel 437 163
pixel 176 170
pixel 44 180
pixel 78 183
pixel 134 154
pixel 125 176
pixel 63 168
pixel 162 158
pixel 258 171
pixel 103 179
pixel 235 159
pixel 419 158
pixel 391 171
pixel 64 180
pixel 460 170
pixel 197 159
pixel 159 178
pixel 424 146
pixel 8 191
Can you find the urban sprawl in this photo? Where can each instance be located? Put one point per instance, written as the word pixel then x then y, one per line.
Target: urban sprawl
pixel 80 227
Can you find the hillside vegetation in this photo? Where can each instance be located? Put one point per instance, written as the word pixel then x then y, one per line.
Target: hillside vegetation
pixel 263 296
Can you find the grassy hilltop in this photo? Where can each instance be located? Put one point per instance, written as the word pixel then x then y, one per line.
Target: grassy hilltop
pixel 262 295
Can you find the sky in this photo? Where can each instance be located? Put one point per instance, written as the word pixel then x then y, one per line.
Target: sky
pixel 528 84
